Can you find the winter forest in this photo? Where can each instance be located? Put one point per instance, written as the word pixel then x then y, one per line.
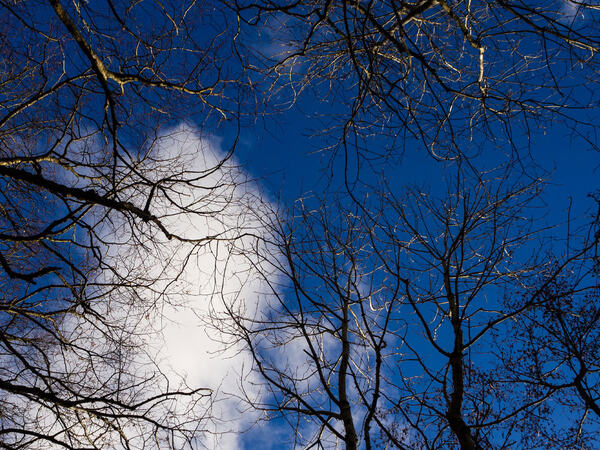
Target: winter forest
pixel 303 224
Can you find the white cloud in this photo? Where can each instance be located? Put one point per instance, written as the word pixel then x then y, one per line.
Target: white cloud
pixel 199 279
pixel 182 286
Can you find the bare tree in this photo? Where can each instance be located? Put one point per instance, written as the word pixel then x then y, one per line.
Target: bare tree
pixel 435 73
pixel 382 320
pixel 89 90
pixel 554 348
pixel 381 316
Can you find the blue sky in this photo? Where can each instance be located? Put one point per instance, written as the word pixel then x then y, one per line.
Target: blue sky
pixel 287 159
pixel 284 155
pixel 287 163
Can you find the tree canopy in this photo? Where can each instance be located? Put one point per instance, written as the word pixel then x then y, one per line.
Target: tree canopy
pixel 427 289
